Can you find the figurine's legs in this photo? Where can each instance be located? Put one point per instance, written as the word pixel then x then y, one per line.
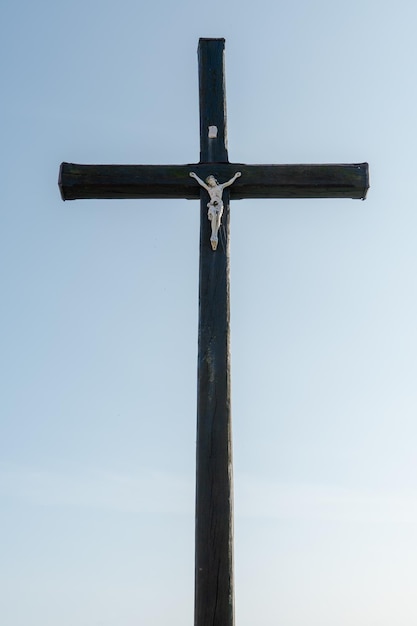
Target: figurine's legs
pixel 214 214
pixel 214 230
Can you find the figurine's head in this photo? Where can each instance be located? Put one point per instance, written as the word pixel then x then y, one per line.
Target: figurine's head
pixel 211 181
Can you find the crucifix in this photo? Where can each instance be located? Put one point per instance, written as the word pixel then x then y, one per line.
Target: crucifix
pixel 213 180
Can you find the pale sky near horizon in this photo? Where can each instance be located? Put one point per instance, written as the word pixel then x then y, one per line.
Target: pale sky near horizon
pixel 99 316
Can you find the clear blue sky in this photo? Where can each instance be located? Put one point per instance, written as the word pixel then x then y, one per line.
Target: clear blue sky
pixel 99 316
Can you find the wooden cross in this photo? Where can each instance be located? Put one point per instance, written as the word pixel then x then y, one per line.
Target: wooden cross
pixel 214 595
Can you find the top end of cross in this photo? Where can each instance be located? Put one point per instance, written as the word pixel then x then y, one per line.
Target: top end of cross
pixel 213 131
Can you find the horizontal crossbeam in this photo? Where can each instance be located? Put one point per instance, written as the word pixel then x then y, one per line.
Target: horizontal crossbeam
pixel 173 181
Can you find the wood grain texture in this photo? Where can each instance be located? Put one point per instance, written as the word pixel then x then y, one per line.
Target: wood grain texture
pixel 173 181
pixel 214 596
pixel 212 94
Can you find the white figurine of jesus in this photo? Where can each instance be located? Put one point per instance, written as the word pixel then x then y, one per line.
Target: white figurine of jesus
pixel 215 206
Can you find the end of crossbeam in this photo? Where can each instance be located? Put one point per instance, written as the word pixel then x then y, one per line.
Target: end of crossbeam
pixel 365 167
pixel 60 181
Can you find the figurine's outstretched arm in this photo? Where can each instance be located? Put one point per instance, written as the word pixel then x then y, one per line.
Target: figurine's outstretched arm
pixel 198 179
pixel 231 181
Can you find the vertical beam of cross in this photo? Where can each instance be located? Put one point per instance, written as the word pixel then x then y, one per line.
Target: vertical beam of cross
pixel 214 596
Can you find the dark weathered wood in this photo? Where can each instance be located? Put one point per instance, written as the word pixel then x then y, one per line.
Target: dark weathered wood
pixel 214 507
pixel 212 93
pixel 173 181
pixel 214 595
